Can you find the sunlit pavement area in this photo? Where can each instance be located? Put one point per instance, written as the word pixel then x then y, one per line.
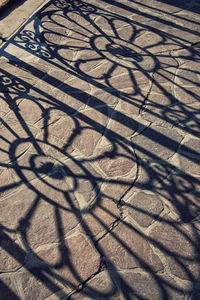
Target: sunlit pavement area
pixel 99 152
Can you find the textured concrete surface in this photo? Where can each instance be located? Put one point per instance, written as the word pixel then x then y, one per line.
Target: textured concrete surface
pixel 99 152
pixel 14 13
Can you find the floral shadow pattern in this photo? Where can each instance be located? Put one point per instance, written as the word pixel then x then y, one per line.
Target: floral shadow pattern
pixel 99 140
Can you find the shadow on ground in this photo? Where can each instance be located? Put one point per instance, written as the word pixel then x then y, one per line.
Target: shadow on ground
pixel 99 160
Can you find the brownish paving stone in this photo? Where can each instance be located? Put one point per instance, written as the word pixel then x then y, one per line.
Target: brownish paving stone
pixel 11 255
pixel 125 31
pixel 60 75
pixel 182 116
pixel 157 108
pixel 165 76
pixel 119 10
pixel 5 108
pixel 197 225
pixel 56 38
pixel 176 35
pixel 75 261
pixel 103 212
pixel 101 286
pixel 187 95
pixel 180 248
pixel 146 286
pixel 8 182
pixel 15 206
pixel 36 285
pixel 89 135
pixel 16 80
pixel 121 76
pixel 87 141
pixel 165 61
pixel 117 163
pixel 74 83
pixel 95 69
pixel 41 222
pixel 187 18
pixel 46 145
pixel 120 125
pixel 165 89
pixel 182 193
pixel 8 287
pixel 140 18
pixel 101 216
pixel 10 133
pixel 82 33
pixel 122 82
pixel 83 180
pixel 153 140
pixel 34 166
pixel 102 22
pixel 47 219
pixel 103 52
pixel 153 174
pixel 131 104
pixel 122 24
pixel 162 8
pixel 159 100
pixel 157 116
pixel 29 111
pixel 189 161
pixel 16 15
pixel 74 101
pixel 124 248
pixel 75 19
pixel 115 190
pixel 152 42
pixel 184 56
pixel 106 97
pixel 162 109
pixel 61 128
pixel 192 126
pixel 44 226
pixel 187 74
pixel 144 208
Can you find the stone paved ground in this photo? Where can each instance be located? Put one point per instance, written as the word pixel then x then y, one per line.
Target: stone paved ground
pixel 13 13
pixel 99 152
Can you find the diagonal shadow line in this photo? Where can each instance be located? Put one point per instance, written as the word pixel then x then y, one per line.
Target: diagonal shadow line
pixel 99 179
pixel 155 18
pixel 20 258
pixel 129 122
pixel 116 4
pixel 37 27
pixel 141 261
pixel 123 96
pixel 163 11
pixel 135 104
pixel 6 292
pixel 12 151
pixel 177 4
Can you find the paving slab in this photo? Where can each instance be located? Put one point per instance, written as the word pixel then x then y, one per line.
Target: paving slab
pixel 14 13
pixel 99 150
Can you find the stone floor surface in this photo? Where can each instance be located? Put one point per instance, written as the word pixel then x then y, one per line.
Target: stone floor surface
pixel 13 13
pixel 99 152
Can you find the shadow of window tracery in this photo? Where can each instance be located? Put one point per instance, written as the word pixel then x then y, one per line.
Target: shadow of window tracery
pixel 48 159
